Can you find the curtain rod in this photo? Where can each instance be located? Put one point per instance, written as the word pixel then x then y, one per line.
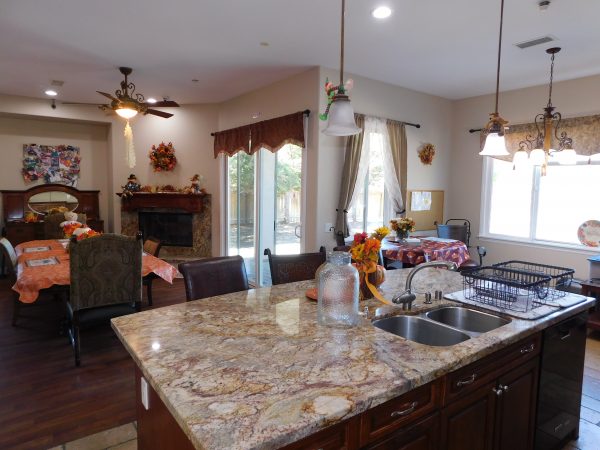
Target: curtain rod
pixel 306 112
pixel 475 130
pixel 416 125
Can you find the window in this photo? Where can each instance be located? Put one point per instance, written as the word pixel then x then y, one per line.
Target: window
pixel 525 205
pixel 370 199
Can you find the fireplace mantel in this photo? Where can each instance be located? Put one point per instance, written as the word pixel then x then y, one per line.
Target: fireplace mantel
pixel 192 203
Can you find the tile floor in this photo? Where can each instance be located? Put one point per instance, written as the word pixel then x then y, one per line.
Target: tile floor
pixel 125 436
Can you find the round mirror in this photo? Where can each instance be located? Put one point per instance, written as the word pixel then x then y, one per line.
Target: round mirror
pixel 44 202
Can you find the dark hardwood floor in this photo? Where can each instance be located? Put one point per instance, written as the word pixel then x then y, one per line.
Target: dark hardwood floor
pixel 44 399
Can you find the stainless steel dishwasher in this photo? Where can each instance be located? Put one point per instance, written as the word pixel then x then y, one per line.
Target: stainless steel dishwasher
pixel 561 378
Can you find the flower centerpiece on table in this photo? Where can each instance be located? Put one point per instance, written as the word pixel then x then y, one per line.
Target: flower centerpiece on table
pixel 163 157
pixel 403 226
pixel 365 254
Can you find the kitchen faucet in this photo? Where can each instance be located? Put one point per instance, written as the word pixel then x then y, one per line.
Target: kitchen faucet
pixel 407 297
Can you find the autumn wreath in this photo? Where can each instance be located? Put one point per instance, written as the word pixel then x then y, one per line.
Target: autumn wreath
pixel 163 157
pixel 427 153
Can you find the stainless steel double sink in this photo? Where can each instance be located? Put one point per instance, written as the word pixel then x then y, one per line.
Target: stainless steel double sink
pixel 442 327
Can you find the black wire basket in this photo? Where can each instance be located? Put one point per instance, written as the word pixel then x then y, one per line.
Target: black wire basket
pixel 504 288
pixel 561 277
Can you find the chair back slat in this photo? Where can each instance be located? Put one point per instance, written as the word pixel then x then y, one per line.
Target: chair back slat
pixel 291 268
pixel 214 276
pixel 105 270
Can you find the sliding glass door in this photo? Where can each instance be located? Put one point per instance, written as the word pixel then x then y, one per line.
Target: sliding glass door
pixel 264 207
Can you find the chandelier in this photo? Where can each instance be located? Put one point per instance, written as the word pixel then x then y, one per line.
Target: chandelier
pixel 495 144
pixel 548 126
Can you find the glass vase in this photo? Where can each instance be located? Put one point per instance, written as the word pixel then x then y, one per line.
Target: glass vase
pixel 338 288
pixel 401 235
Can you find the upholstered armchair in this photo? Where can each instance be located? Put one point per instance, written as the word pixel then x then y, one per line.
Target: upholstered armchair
pixel 52 228
pixel 106 281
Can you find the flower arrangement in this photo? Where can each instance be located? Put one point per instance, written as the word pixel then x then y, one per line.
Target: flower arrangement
pixel 87 234
pixel 70 227
pixel 163 157
pixel 427 153
pixel 365 254
pixel 403 226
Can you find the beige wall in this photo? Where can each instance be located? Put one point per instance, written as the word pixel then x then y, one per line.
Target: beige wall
pixel 379 99
pixel 92 139
pixel 572 98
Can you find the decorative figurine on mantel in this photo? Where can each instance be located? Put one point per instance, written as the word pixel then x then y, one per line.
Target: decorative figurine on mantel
pixel 195 188
pixel 131 186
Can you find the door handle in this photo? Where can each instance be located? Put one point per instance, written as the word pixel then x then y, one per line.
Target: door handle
pixel 565 336
pixel 497 391
pixel 298 234
pixel 528 349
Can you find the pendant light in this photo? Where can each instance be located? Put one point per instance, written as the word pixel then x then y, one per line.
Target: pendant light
pixel 339 112
pixel 495 144
pixel 548 125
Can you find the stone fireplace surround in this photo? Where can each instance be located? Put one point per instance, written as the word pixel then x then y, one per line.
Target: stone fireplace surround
pixel 198 205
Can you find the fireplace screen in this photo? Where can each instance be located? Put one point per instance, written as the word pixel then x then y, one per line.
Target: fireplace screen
pixel 173 229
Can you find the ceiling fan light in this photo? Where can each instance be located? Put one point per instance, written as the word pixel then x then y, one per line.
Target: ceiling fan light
pixel 520 160
pixel 537 157
pixel 126 113
pixel 567 157
pixel 341 118
pixel 495 145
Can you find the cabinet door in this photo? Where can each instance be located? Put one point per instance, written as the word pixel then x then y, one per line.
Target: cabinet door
pixel 515 414
pixel 468 423
pixel 421 436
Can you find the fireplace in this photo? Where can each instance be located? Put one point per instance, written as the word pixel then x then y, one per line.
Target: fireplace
pixel 171 228
pixel 180 221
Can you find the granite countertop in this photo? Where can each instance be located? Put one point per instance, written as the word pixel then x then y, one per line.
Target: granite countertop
pixel 254 370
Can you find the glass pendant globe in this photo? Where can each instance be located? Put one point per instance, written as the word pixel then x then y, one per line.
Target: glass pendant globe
pixel 495 145
pixel 341 119
pixel 126 113
pixel 520 160
pixel 537 157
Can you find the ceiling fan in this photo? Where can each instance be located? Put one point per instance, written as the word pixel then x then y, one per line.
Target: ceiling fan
pixel 127 103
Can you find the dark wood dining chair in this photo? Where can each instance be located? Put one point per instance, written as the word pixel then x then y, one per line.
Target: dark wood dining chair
pixel 290 268
pixel 214 276
pixel 52 228
pixel 152 246
pixel 106 282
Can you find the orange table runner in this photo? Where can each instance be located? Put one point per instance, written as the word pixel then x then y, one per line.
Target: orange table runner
pixel 30 280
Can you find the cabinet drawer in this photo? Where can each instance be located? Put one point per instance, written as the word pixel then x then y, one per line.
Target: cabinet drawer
pixel 395 413
pixel 475 375
pixel 421 435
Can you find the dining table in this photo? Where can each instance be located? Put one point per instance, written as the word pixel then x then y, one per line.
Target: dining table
pixel 45 263
pixel 419 250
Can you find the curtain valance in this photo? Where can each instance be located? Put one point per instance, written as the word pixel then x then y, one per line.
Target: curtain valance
pixel 270 134
pixel 585 132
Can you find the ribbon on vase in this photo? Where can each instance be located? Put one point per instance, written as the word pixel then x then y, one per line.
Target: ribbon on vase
pixel 367 268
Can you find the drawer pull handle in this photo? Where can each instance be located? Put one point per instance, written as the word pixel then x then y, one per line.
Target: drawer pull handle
pixel 467 381
pixel 566 336
pixel 406 411
pixel 558 427
pixel 528 349
pixel 504 388
pixel 498 391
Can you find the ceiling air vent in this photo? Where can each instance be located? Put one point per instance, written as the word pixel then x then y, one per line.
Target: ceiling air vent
pixel 536 41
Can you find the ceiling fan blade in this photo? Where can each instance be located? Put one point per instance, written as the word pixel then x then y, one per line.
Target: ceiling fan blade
pixel 155 112
pixel 83 103
pixel 164 104
pixel 108 96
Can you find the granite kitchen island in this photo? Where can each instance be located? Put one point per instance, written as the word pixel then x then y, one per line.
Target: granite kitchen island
pixel 254 370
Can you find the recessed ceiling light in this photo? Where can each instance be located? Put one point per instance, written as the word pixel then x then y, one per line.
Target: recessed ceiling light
pixel 151 100
pixel 195 80
pixel 50 93
pixel 381 12
pixel 264 44
pixel 256 115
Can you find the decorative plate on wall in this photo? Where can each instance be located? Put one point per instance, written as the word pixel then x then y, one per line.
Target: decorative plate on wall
pixel 589 233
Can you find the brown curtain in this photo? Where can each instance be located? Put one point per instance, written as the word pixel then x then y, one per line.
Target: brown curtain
pixel 349 173
pixel 270 134
pixel 397 133
pixel 585 132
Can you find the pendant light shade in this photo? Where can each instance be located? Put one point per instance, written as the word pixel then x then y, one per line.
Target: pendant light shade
pixel 495 145
pixel 537 157
pixel 520 159
pixel 341 118
pixel 339 112
pixel 126 113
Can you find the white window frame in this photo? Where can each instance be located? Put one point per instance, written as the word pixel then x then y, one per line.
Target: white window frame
pixel 486 201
